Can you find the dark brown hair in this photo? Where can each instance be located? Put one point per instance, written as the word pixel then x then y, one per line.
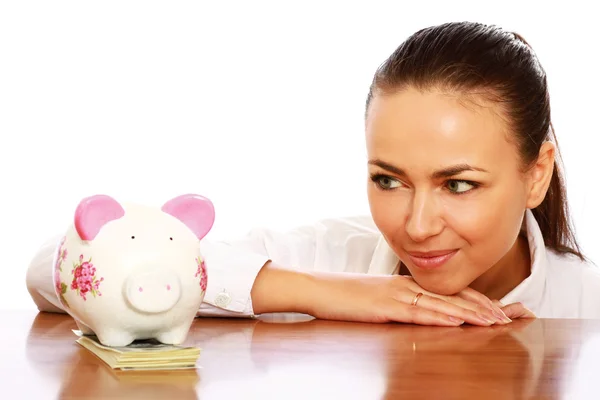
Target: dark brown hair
pixel 482 60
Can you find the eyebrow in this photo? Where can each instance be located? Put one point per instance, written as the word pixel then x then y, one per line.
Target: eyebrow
pixel 447 172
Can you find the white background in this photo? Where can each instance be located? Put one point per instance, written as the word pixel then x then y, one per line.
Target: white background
pixel 257 105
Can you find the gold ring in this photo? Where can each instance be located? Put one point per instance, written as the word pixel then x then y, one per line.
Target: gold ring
pixel 416 299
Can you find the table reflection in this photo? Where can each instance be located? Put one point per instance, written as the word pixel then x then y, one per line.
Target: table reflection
pixel 295 356
pixel 393 360
pixel 52 351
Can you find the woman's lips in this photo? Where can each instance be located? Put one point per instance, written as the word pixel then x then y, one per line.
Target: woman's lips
pixel 431 259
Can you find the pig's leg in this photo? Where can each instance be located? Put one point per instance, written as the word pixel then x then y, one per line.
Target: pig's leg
pixel 109 336
pixel 86 330
pixel 175 335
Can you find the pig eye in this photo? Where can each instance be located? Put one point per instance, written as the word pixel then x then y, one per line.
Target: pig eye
pixel 170 238
pixel 133 237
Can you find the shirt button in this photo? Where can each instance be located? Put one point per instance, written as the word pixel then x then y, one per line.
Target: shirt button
pixel 223 299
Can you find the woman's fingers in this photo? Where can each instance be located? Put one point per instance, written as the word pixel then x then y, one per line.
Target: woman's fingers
pixel 474 296
pixel 437 305
pixel 469 299
pixel 455 310
pixel 409 314
pixel 517 310
pixel 484 312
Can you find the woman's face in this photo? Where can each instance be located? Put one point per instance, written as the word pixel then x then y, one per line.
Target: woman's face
pixel 445 189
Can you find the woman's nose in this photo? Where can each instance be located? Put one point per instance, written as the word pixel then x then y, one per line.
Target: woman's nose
pixel 423 219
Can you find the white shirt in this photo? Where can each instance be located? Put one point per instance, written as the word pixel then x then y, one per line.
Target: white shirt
pixel 559 286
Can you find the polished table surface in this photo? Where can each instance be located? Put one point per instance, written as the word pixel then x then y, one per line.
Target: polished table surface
pixel 296 357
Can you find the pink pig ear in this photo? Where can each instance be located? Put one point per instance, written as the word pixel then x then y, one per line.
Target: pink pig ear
pixel 195 211
pixel 93 213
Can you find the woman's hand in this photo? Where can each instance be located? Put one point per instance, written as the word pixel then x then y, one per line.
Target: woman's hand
pixel 367 298
pixel 515 310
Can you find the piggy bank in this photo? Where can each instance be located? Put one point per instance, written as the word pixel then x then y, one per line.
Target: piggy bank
pixel 127 271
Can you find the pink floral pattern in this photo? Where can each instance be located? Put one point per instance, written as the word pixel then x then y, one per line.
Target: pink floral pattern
pixel 202 273
pixel 84 278
pixel 61 287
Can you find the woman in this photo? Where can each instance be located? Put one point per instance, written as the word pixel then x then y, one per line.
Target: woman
pixel 468 207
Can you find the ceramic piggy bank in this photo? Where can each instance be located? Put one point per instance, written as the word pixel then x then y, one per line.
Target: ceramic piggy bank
pixel 128 271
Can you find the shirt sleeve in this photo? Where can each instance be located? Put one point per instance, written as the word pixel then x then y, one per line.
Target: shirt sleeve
pixel 334 245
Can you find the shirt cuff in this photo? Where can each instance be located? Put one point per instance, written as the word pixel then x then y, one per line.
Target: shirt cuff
pixel 39 280
pixel 231 272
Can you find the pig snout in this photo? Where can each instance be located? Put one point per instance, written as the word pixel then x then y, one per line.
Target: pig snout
pixel 153 291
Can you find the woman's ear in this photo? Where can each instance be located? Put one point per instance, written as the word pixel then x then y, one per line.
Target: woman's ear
pixel 540 175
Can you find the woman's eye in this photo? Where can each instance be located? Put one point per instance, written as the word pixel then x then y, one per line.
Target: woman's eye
pixel 386 183
pixel 460 186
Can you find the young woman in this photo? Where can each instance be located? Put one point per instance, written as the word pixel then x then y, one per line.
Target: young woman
pixel 469 217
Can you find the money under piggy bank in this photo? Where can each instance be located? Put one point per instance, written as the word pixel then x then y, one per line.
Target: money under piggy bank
pixel 127 271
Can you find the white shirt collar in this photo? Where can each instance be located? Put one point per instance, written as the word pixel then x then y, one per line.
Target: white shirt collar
pixel 529 292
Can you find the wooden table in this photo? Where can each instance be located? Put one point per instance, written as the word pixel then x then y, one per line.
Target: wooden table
pixel 295 357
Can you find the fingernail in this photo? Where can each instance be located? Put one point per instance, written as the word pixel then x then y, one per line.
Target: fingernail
pixel 456 320
pixel 486 319
pixel 501 316
pixel 498 313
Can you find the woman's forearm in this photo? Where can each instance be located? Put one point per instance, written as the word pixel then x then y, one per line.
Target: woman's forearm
pixel 277 289
pixel 363 298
